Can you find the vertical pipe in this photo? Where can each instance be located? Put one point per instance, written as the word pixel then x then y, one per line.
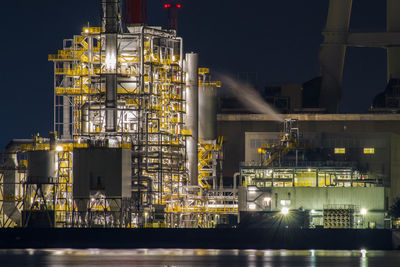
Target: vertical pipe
pixel 111 30
pixel 55 99
pixel 85 119
pixel 192 116
pixel 66 134
pixel 90 50
pixel 235 176
pixel 393 52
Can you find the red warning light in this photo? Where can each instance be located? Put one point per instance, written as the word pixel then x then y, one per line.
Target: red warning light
pixel 167 5
pixel 178 5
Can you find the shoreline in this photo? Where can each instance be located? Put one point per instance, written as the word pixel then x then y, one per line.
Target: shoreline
pixel 107 238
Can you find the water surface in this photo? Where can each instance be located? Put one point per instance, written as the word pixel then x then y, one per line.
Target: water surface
pixel 197 257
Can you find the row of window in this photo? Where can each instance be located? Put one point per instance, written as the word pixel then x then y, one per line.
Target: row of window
pixel 368 150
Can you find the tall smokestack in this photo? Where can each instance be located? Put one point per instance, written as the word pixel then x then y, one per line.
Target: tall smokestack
pixel 135 12
pixel 173 12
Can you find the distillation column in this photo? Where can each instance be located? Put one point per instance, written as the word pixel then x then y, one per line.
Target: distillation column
pixel 333 53
pixel 192 115
pixel 393 25
pixel 111 30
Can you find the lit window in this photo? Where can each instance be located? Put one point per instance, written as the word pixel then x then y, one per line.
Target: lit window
pixel 252 206
pixel 285 202
pixel 340 150
pixel 369 150
pixel 261 151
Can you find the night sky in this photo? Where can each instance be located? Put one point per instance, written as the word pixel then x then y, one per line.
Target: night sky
pixel 279 40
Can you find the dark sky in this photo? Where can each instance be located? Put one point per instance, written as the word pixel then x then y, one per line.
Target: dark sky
pixel 279 40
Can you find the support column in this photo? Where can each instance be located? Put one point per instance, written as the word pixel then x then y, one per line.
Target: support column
pixel 393 52
pixel 333 53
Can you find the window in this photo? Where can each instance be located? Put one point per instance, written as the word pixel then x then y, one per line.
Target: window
pixel 252 206
pixel 369 150
pixel 340 150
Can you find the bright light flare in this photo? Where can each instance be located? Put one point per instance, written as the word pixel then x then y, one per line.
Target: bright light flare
pixel 59 148
pixel 285 211
pixel 363 253
pixel 363 211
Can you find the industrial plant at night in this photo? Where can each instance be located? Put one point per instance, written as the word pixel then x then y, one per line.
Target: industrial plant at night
pixel 142 138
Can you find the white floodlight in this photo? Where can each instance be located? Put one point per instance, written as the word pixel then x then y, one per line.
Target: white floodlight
pixel 363 211
pixel 285 211
pixel 59 148
pixel 363 253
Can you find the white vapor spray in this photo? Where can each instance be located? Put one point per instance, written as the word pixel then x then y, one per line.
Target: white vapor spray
pixel 249 97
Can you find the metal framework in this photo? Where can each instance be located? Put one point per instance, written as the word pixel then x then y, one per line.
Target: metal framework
pixel 127 89
pixel 150 96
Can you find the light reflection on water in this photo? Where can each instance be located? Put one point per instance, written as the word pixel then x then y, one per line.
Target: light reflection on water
pixel 197 257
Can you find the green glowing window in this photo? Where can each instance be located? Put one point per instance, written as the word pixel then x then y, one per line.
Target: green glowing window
pixel 369 150
pixel 340 150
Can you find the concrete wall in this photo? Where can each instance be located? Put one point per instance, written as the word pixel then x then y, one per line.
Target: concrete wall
pixel 308 198
pixel 395 169
pixel 372 199
pixel 233 128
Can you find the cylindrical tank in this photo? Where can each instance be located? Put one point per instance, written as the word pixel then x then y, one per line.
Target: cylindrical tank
pixel 41 167
pixel 207 113
pixel 192 115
